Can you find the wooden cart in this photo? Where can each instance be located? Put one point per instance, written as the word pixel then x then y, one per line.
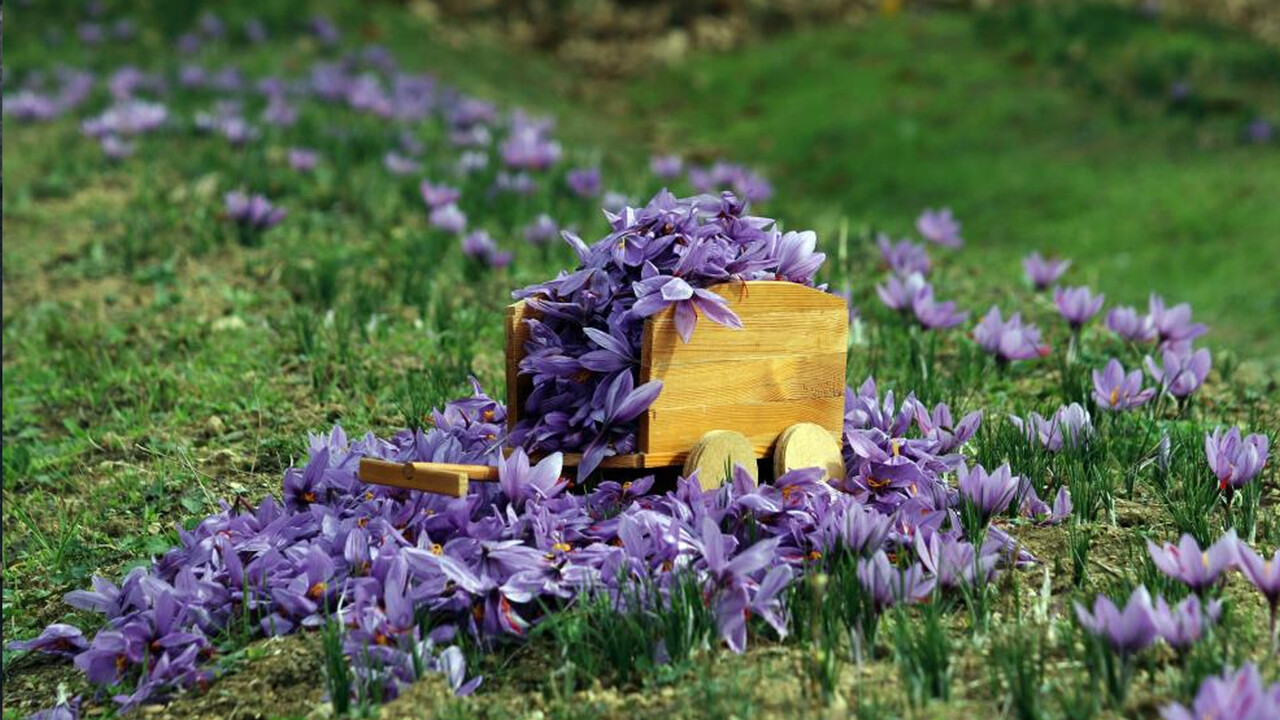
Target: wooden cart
pixel 773 387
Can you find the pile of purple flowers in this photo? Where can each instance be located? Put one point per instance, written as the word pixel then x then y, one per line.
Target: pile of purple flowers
pixel 379 560
pixel 584 349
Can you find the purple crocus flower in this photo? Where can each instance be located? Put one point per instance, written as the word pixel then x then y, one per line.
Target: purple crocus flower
pixel 479 245
pixel 940 227
pixel 1128 324
pixel 520 482
pixel 115 148
pixel 1238 695
pixel 58 639
pixel 1008 340
pixel 1077 305
pixel 1185 623
pixel 541 230
pixel 1186 562
pixel 988 493
pixel 279 112
pixel 796 257
pixel 1070 426
pixel 1116 391
pixel 1182 372
pixel 438 196
pixel 666 167
pixel 253 212
pixel 303 159
pixel 1173 325
pixel 934 315
pixel 584 182
pixel 1041 272
pixel 656 292
pixel 1263 573
pixel 448 218
pixel 903 257
pixel 899 293
pixel 1260 131
pixel 1234 459
pixel 1127 631
pixel 397 164
pixel 888 585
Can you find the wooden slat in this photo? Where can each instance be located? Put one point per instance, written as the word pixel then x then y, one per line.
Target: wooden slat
pixel 754 380
pixel 441 478
pixel 764 334
pixel 668 429
pixel 518 386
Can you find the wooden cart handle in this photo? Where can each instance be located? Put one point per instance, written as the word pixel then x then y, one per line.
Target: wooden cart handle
pixel 440 478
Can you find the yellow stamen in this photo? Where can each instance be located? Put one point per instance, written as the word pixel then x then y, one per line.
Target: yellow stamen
pixel 1115 397
pixel 437 549
pixel 562 547
pixel 896 445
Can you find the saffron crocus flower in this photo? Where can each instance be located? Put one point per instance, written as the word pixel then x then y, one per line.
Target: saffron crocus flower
pixel 438 196
pixel 1264 574
pixel 1181 372
pixel 888 585
pixel 900 293
pixel 448 218
pixel 656 292
pixel 1238 695
pixel 988 493
pixel 253 212
pixel 1042 272
pixel 797 260
pixel 903 257
pixel 1187 563
pixel 584 182
pixel 1128 324
pixel 303 159
pixel 1260 131
pixel 1008 340
pixel 1069 427
pixel 57 639
pixel 1173 325
pixel 940 227
pixel 1234 459
pixel 541 230
pixel 666 167
pixel 934 315
pixel 520 482
pixel 1185 623
pixel 1116 391
pixel 1127 631
pixel 479 245
pixel 1077 305
pixel 397 164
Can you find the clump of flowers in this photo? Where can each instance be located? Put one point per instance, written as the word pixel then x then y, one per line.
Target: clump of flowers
pixel 252 214
pixel 1238 695
pixel 1235 460
pixel 1008 340
pixel 584 349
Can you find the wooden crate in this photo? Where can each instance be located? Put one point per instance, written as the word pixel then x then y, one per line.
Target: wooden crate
pixel 785 366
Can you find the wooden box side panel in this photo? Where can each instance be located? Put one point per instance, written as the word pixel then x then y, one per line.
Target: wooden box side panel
pixel 786 365
pixel 517 334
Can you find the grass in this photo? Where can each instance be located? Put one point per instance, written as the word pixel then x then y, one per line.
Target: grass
pixel 1042 129
pixel 155 366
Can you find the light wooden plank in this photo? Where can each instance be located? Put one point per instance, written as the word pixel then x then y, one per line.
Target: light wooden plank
pixel 518 386
pixel 669 429
pixel 426 477
pixel 736 380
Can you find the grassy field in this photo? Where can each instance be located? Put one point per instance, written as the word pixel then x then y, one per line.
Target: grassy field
pixel 156 365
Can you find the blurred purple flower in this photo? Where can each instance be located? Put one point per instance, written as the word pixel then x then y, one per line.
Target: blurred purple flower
pixel 1173 325
pixel 1008 340
pixel 1127 631
pixel 899 293
pixel 903 257
pixel 1185 623
pixel 437 196
pixel 1191 566
pixel 1042 272
pixel 397 164
pixel 1077 305
pixel 1128 324
pixel 253 212
pixel 666 167
pixel 1069 427
pixel 938 226
pixel 448 218
pixel 1260 131
pixel 479 245
pixel 584 182
pixel 1262 572
pixel 303 159
pixel 541 230
pixel 934 315
pixel 1238 695
pixel 57 639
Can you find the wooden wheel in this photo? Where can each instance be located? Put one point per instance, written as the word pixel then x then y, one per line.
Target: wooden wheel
pixel 715 455
pixel 806 445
